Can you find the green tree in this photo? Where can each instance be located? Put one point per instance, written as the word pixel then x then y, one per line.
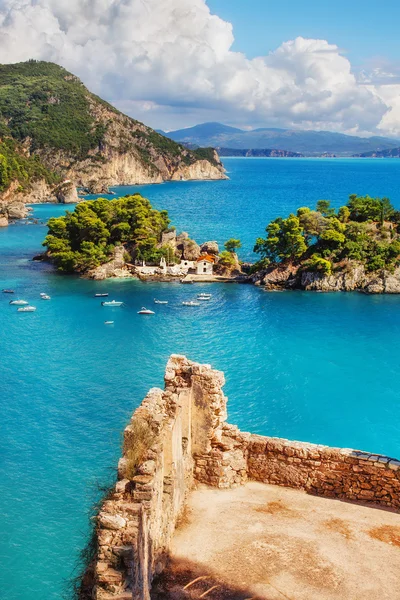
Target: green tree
pixel 232 245
pixel 324 207
pixel 311 221
pixel 365 208
pixel 318 264
pixel 344 214
pixel 85 238
pixel 226 259
pixel 284 241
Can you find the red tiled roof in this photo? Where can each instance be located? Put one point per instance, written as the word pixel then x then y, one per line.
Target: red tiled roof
pixel 207 258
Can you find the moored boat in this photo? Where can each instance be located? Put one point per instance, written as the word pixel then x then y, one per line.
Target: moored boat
pixel 19 302
pixel 26 309
pixel 146 311
pixel 45 297
pixel 108 322
pixel 160 301
pixel 100 295
pixel 112 303
pixel 190 303
pixel 8 291
pixel 204 297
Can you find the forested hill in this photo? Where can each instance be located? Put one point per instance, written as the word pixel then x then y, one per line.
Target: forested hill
pixel 49 114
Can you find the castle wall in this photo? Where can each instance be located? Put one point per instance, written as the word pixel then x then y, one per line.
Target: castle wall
pixel 178 437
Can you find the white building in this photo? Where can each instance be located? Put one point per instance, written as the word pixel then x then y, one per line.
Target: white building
pixel 205 265
pixel 185 265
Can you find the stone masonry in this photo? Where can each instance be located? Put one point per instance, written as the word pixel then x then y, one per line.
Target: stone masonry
pixel 178 437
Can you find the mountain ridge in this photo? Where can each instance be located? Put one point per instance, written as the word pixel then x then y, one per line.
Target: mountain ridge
pixel 306 142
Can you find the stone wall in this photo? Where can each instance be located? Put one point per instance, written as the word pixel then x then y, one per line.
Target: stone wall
pixel 320 470
pixel 136 522
pixel 178 437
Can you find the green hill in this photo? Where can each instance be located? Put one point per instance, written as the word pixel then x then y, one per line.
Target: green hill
pixel 54 129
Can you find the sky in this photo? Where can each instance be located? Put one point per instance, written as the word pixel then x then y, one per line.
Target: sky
pixel 249 63
pixel 363 29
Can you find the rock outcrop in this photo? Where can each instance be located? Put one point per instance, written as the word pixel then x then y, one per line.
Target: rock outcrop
pixel 66 193
pixel 187 248
pixel 352 277
pixel 14 201
pixel 209 248
pixel 116 267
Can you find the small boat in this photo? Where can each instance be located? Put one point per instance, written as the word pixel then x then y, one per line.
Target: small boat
pixel 186 281
pixel 8 291
pixel 191 303
pixel 112 303
pixel 108 322
pixel 45 297
pixel 160 301
pixel 26 309
pixel 19 302
pixel 145 311
pixel 100 295
pixel 204 297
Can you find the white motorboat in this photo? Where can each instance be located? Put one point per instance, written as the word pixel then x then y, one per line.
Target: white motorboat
pixel 108 322
pixel 191 303
pixel 160 301
pixel 100 295
pixel 146 311
pixel 26 309
pixel 112 303
pixel 45 297
pixel 204 297
pixel 19 302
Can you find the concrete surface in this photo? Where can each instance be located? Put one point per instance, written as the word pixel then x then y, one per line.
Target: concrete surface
pixel 277 543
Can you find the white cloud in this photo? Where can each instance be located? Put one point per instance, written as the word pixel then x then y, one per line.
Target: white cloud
pixel 164 58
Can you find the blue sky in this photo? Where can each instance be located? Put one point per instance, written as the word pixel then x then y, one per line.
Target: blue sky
pixel 363 29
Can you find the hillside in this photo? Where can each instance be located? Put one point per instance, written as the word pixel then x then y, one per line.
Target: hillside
pixel 308 143
pixel 67 133
pixel 392 153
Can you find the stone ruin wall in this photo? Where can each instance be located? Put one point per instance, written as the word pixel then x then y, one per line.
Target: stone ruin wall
pixel 191 442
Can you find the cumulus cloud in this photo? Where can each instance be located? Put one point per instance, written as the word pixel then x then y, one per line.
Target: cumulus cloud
pixel 169 57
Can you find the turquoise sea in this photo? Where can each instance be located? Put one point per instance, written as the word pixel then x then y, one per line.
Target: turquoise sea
pixel 316 367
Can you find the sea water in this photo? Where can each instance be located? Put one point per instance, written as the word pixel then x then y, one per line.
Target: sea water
pixel 306 366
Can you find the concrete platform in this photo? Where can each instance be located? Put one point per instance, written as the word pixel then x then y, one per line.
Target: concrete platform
pixel 262 541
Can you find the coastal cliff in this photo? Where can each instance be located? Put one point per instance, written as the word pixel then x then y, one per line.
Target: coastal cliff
pixel 353 278
pixel 178 438
pixel 53 131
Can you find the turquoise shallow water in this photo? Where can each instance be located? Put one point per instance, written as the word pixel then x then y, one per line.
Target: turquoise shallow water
pixel 317 367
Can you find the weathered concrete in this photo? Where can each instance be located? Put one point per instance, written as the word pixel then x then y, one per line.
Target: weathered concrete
pixel 278 543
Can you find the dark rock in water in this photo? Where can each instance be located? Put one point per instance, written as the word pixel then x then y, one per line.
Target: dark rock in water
pixel 39 257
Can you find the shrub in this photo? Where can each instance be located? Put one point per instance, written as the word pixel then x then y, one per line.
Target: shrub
pixel 318 264
pixel 139 439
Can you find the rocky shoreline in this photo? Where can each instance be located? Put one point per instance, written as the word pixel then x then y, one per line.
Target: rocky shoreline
pixel 353 277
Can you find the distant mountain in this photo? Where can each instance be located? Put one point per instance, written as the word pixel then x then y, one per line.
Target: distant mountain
pixel 262 152
pixel 308 143
pixel 393 153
